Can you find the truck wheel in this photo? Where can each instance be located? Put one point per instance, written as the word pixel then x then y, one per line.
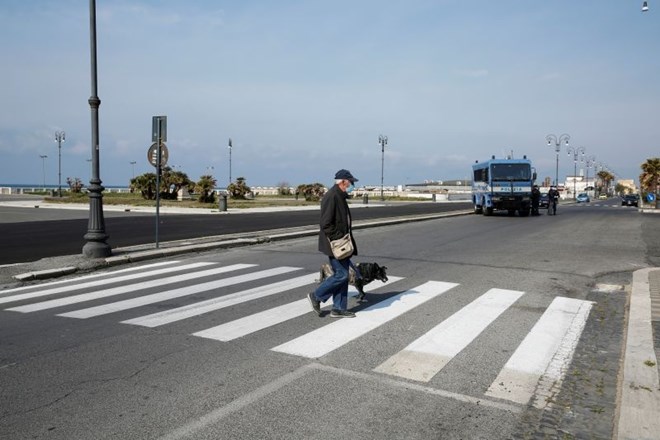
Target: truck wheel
pixel 488 211
pixel 478 209
pixel 523 212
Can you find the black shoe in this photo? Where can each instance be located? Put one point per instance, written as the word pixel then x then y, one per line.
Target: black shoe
pixel 316 305
pixel 341 314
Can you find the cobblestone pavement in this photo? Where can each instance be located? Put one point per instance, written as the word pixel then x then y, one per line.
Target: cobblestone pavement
pixel 585 407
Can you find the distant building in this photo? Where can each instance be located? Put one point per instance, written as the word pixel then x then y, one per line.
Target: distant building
pixel 628 184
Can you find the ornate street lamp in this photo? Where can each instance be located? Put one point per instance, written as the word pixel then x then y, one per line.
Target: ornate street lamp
pixel 382 140
pixel 552 139
pixel 60 137
pixel 96 246
pixel 575 151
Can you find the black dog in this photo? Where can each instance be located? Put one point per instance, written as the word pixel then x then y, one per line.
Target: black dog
pixel 368 272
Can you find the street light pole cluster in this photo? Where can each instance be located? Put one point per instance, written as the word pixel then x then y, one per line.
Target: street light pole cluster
pixel 43 169
pixel 229 147
pixel 589 161
pixel 382 141
pixel 576 152
pixel 60 136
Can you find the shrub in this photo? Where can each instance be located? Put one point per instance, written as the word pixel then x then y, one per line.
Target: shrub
pixel 239 189
pixel 311 191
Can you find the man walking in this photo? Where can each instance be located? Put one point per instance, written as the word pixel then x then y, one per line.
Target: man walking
pixel 334 224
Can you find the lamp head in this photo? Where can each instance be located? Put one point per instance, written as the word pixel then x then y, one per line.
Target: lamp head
pixel 645 6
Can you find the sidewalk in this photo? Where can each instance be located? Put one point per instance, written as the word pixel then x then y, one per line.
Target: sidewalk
pixel 639 414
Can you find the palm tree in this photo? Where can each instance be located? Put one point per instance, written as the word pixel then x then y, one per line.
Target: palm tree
pixel 650 177
pixel 146 184
pixel 606 177
pixel 205 188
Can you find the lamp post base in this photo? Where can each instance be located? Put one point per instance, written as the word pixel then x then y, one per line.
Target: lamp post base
pixel 96 246
pixel 96 249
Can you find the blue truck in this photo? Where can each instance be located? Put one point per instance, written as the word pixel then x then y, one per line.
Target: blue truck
pixel 503 185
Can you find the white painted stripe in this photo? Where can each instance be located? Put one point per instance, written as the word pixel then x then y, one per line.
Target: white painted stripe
pixel 175 293
pixel 259 321
pixel 332 336
pixel 180 313
pixel 545 352
pixel 427 355
pixel 127 288
pixel 108 279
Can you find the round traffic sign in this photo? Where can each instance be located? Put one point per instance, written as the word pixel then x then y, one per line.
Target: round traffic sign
pixel 152 154
pixel 650 197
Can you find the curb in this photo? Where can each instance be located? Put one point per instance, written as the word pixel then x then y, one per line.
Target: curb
pixel 139 253
pixel 640 388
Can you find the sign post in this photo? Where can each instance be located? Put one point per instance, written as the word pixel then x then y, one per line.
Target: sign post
pixel 158 135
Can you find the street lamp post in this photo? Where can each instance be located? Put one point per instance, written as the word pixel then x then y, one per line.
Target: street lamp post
pixel 96 246
pixel 133 167
pixel 382 140
pixel 60 136
pixel 43 169
pixel 575 151
pixel 589 161
pixel 229 147
pixel 552 139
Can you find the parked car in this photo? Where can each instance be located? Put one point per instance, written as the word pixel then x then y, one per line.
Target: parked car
pixel 602 196
pixel 582 198
pixel 630 200
pixel 543 201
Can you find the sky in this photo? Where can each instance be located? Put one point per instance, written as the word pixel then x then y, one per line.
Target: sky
pixel 304 88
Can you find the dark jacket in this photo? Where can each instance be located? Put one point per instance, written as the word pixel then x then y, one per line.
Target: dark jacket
pixel 335 219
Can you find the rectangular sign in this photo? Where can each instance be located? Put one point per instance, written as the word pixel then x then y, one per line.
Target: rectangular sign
pixel 155 121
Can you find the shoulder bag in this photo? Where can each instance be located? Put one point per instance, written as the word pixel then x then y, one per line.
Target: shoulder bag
pixel 342 248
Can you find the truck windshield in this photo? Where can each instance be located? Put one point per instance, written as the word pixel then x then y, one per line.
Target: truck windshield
pixel 511 172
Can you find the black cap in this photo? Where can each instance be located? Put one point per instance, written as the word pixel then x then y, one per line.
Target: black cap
pixel 346 175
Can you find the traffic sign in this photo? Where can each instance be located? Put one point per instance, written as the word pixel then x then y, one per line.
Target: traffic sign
pixel 159 127
pixel 152 154
pixel 650 197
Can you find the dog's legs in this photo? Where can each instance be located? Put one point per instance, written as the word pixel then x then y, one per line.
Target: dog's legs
pixel 361 293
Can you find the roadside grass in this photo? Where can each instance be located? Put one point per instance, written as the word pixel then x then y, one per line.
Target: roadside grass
pixel 132 199
pixel 260 201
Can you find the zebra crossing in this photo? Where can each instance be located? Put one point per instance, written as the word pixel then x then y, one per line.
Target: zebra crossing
pixel 537 364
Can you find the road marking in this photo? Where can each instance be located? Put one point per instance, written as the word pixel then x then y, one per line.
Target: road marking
pixel 426 356
pixel 180 313
pixel 127 288
pixel 174 293
pixel 545 353
pixel 332 336
pixel 106 280
pixel 259 321
pixel 193 428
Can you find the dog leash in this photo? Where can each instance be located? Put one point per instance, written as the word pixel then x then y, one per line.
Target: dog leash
pixel 358 275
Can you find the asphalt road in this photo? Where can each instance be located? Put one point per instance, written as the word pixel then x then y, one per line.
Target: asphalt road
pixel 70 374
pixel 40 233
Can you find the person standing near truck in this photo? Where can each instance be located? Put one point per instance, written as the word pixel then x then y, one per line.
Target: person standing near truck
pixel 536 198
pixel 553 198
